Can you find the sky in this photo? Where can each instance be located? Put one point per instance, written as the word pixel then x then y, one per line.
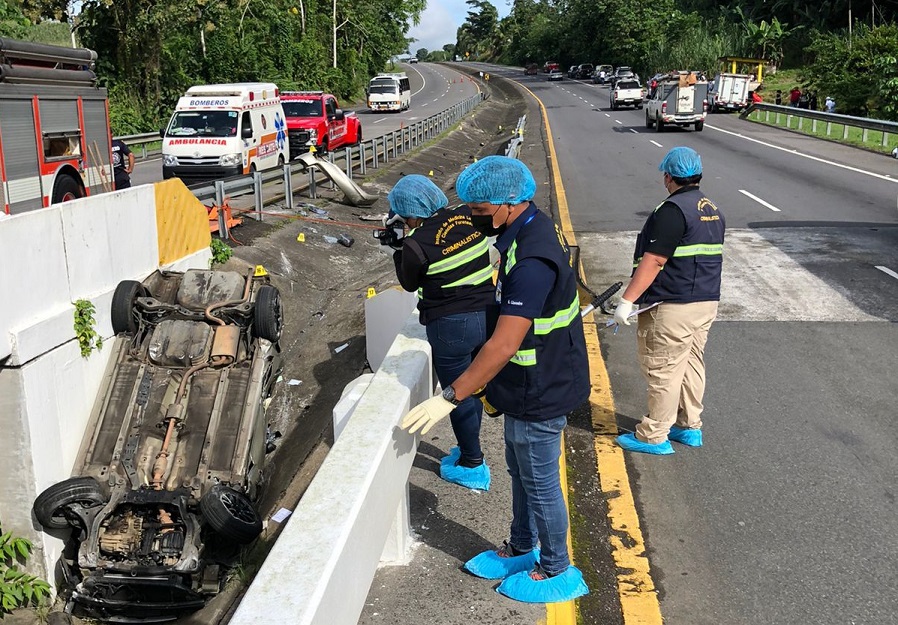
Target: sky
pixel 441 19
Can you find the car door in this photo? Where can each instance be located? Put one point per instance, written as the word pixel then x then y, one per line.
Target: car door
pixel 335 128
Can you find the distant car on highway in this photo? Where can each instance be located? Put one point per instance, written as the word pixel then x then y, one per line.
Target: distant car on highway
pixel 531 70
pixel 597 75
pixel 572 71
pixel 414 59
pixel 584 70
pixel 556 74
pixel 549 66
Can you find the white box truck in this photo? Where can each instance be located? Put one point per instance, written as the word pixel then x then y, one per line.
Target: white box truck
pixel 389 92
pixel 729 92
pixel 225 130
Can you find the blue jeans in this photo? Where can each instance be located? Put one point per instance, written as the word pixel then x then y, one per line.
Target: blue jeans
pixel 454 341
pixel 532 450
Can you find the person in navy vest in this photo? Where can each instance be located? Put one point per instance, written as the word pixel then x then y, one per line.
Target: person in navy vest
pixel 446 260
pixel 677 268
pixel 535 369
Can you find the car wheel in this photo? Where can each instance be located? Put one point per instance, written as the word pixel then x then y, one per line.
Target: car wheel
pixel 638 106
pixel 659 125
pixel 358 137
pixel 280 161
pixel 699 126
pixel 126 293
pixel 50 506
pixel 268 319
pixel 648 120
pixel 231 514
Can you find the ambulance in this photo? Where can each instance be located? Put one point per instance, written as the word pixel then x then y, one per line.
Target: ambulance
pixel 225 130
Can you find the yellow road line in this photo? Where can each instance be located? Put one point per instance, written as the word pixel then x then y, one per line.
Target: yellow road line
pixel 635 587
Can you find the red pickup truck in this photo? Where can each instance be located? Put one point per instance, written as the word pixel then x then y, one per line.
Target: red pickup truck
pixel 314 118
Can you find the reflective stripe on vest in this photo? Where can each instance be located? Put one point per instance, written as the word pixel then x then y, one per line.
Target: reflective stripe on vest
pixel 561 319
pixel 474 279
pixel 699 249
pixel 459 259
pixel 512 260
pixel 524 357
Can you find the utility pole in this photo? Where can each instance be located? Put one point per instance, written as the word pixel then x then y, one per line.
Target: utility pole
pixel 335 33
pixel 849 24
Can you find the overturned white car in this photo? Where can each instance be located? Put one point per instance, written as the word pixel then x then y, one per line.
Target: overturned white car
pixel 172 458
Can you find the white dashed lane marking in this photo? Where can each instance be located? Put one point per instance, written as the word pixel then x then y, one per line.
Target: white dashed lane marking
pixel 759 200
pixel 887 271
pixel 653 142
pixel 617 121
pixel 607 115
pixel 634 131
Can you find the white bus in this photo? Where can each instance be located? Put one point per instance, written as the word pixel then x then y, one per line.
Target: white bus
pixel 389 92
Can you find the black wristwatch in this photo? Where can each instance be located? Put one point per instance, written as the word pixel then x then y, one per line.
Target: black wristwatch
pixel 449 395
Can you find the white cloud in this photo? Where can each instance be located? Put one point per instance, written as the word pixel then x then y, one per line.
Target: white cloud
pixel 440 21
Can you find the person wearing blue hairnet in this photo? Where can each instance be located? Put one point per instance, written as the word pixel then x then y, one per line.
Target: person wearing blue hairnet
pixel 446 260
pixel 678 263
pixel 536 371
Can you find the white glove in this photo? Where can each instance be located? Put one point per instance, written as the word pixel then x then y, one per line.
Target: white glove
pixel 622 312
pixel 426 414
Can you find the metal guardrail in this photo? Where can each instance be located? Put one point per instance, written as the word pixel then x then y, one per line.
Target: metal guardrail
pixel 142 141
pixel 886 128
pixel 514 146
pixel 352 159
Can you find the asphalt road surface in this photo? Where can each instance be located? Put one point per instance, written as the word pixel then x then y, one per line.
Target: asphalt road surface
pixel 788 514
pixel 434 89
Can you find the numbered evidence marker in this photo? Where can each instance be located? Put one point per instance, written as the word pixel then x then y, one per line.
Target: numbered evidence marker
pixel 371 292
pixel 260 271
pixel 301 237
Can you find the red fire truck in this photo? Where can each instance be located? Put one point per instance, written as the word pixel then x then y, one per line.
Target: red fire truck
pixel 54 126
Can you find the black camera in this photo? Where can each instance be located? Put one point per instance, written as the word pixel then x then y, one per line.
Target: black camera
pixel 391 236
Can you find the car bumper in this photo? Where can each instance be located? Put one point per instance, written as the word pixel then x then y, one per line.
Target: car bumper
pixel 200 173
pixel 138 599
pixel 682 119
pixel 380 106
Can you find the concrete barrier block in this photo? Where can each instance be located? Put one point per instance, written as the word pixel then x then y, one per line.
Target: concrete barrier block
pixel 109 238
pixel 196 260
pixel 385 315
pixel 36 282
pixel 320 569
pixel 44 407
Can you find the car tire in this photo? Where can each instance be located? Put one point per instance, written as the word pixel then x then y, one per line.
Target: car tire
pixel 66 189
pixel 358 136
pixel 648 120
pixel 699 126
pixel 268 318
pixel 659 125
pixel 123 300
pixel 231 514
pixel 49 507
pixel 638 106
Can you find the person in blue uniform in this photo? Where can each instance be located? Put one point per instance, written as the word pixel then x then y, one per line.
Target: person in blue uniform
pixel 446 260
pixel 677 265
pixel 536 371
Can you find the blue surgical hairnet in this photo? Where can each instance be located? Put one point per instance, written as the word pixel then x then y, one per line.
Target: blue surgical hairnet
pixel 416 196
pixel 681 162
pixel 496 180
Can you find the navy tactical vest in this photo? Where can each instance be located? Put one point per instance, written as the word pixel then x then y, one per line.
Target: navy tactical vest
pixel 458 272
pixel 549 375
pixel 692 273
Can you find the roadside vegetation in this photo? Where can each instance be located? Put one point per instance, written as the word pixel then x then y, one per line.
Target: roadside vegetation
pixel 150 52
pixel 858 69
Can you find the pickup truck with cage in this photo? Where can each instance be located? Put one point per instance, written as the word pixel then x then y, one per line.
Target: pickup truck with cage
pixel 315 119
pixel 171 462
pixel 679 99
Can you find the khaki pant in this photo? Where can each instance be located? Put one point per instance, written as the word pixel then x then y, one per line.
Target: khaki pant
pixel 671 350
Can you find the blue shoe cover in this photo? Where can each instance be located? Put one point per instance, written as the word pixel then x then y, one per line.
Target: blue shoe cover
pixel 564 587
pixel 489 565
pixel 687 436
pixel 476 478
pixel 631 443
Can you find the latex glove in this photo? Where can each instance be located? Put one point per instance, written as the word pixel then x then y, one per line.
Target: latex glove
pixel 426 414
pixel 622 312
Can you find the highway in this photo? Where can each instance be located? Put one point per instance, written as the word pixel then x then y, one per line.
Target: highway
pixel 788 513
pixel 434 88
